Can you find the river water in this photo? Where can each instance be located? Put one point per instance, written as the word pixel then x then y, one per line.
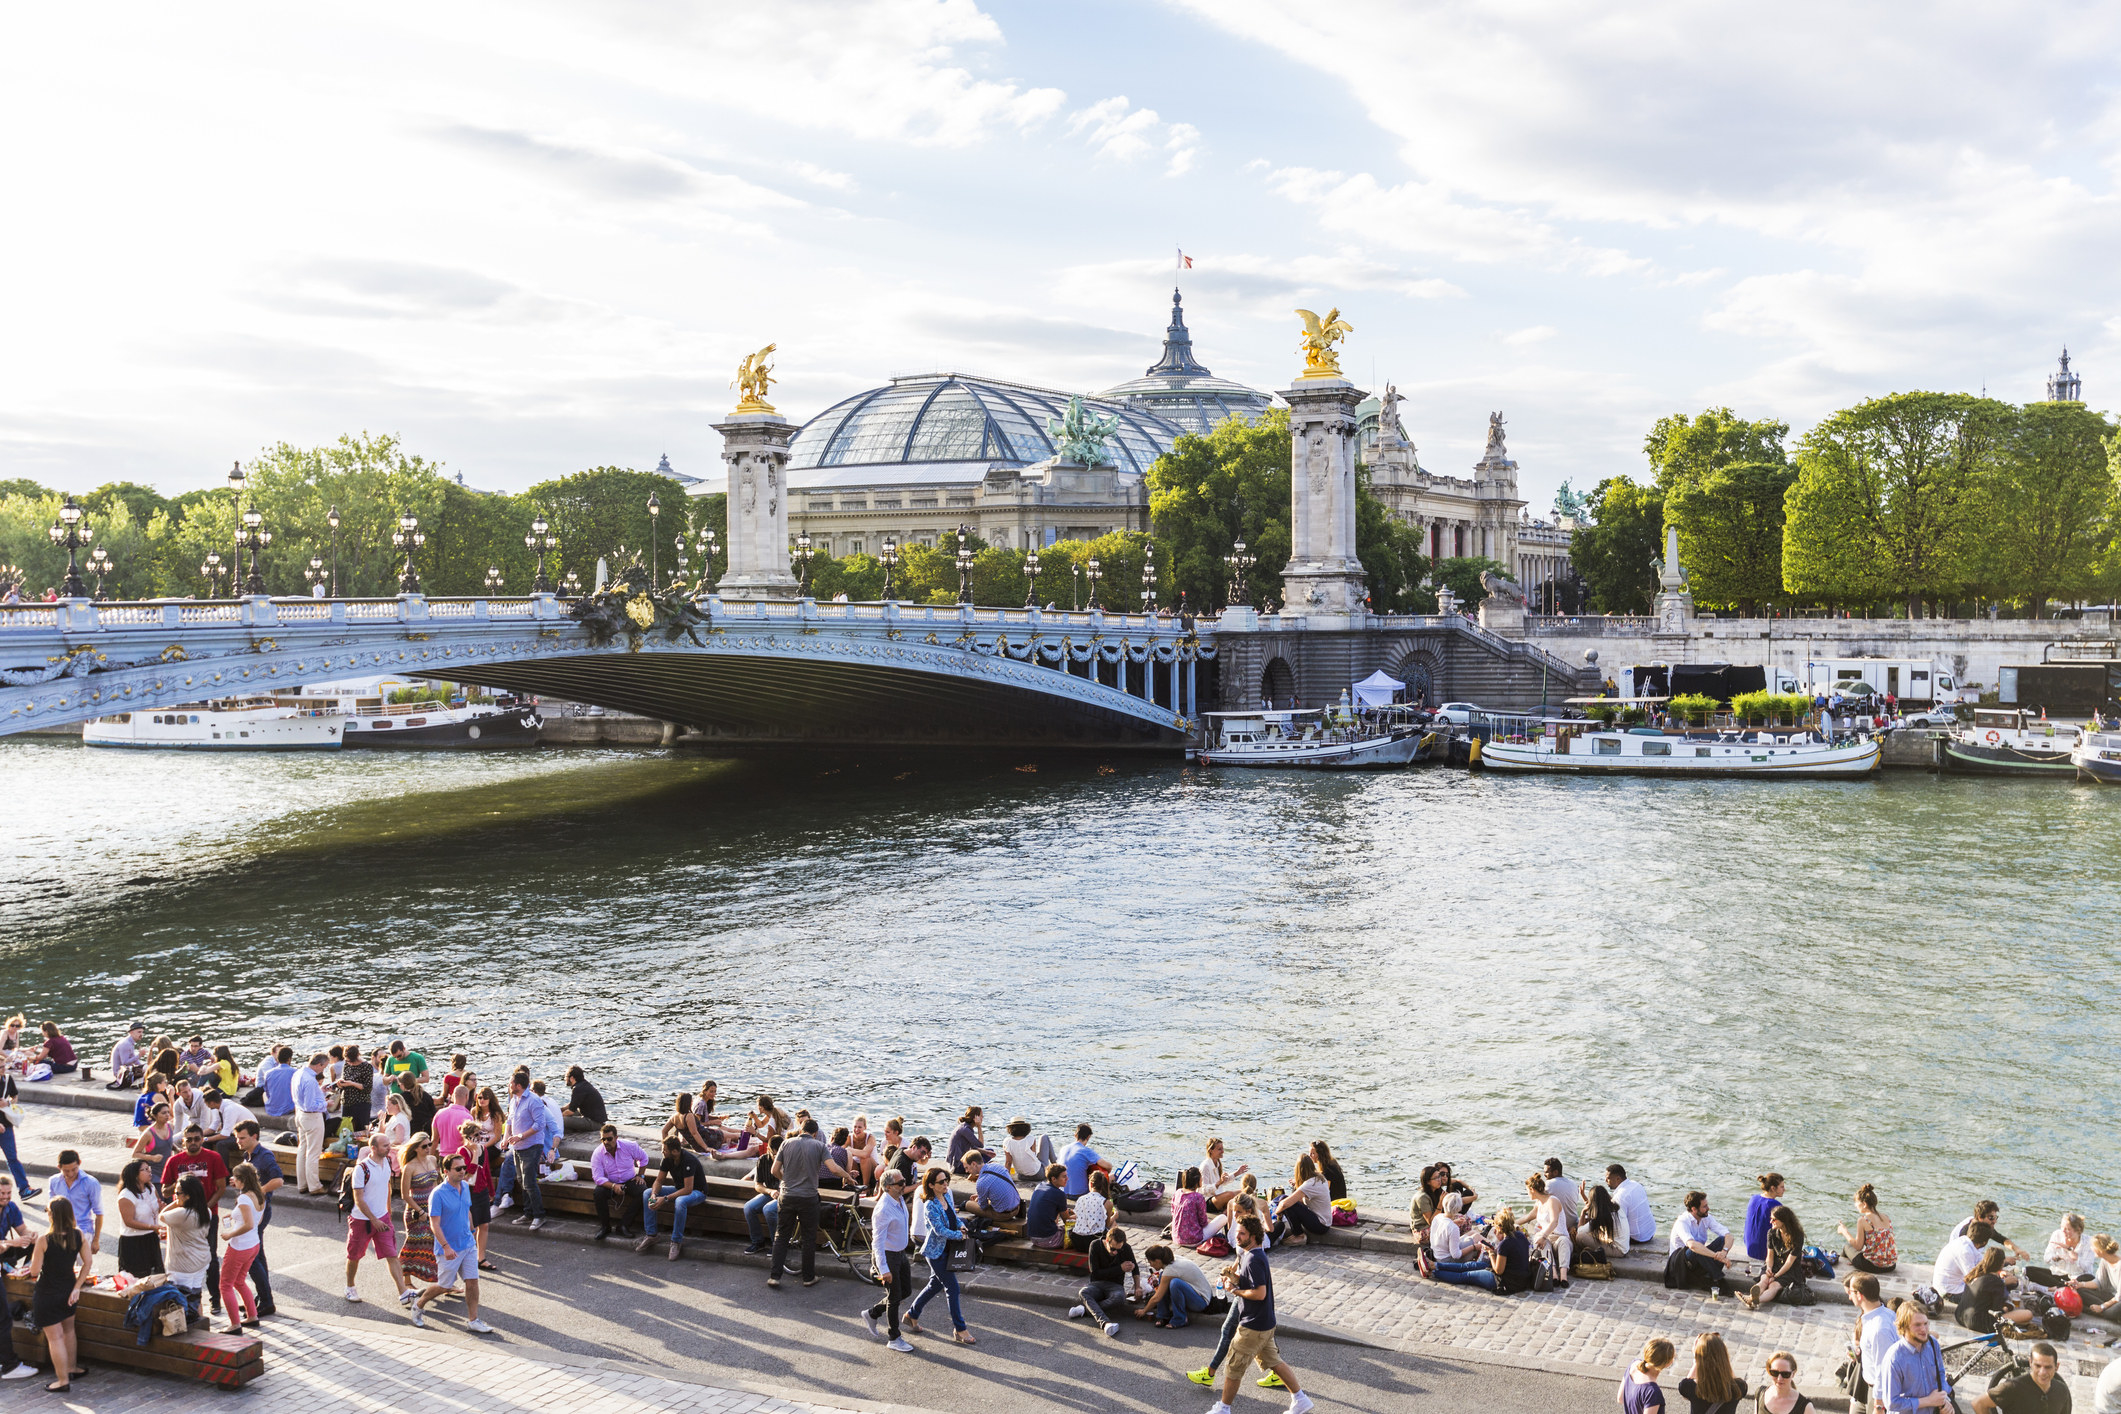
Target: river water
pixel 1910 981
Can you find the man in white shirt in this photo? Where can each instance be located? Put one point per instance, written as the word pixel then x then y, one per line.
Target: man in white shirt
pixel 369 1223
pixel 889 1240
pixel 1707 1245
pixel 218 1123
pixel 1634 1204
pixel 2106 1399
pixel 1874 1333
pixel 1568 1190
pixel 1959 1257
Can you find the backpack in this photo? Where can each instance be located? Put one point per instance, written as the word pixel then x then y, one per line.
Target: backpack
pixel 1818 1262
pixel 346 1191
pixel 1147 1198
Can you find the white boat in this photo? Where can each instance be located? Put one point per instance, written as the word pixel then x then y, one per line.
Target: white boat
pixel 2097 758
pixel 230 724
pixel 1588 749
pixel 1308 739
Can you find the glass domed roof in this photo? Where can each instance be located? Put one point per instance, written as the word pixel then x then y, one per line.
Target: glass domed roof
pixel 1178 388
pixel 923 419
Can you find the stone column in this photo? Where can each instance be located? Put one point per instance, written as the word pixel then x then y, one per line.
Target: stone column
pixel 755 445
pixel 1324 579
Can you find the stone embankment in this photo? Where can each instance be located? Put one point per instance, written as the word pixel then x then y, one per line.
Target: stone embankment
pixel 1358 1286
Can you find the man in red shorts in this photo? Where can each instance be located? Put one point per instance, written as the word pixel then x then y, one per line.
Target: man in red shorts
pixel 369 1223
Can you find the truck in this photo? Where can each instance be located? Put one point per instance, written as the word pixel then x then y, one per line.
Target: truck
pixel 1914 681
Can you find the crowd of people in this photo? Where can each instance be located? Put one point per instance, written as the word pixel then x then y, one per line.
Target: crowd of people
pixel 433 1157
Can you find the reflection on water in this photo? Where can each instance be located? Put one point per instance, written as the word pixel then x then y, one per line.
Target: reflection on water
pixel 1905 981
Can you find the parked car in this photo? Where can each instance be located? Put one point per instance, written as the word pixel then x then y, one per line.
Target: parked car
pixel 1458 714
pixel 1932 717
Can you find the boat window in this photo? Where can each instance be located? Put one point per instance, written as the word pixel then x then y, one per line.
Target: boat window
pixel 1657 748
pixel 1701 751
pixel 246 736
pixel 158 721
pixel 1606 745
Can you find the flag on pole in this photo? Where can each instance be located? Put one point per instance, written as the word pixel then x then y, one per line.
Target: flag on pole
pixel 1185 261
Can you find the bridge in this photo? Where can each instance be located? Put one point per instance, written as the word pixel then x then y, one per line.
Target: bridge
pixel 756 672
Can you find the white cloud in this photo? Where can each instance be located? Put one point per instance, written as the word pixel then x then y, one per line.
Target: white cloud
pixel 1525 338
pixel 1424 217
pixel 1117 129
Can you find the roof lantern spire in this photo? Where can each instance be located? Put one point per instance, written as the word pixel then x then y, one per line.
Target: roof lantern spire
pixel 1178 360
pixel 2063 385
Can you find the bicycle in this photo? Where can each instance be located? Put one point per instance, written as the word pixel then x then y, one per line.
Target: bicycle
pixel 847 1237
pixel 1986 1356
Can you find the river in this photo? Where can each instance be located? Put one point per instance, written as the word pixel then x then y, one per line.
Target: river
pixel 1907 981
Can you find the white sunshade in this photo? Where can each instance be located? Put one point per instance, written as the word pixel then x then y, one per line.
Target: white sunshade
pixel 1376 690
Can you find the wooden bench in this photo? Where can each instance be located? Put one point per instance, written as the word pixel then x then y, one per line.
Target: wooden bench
pixel 211 1357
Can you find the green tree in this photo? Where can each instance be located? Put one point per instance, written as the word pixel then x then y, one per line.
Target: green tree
pixel 142 501
pixel 1207 493
pixel 1889 496
pixel 1729 520
pixel 26 544
pixel 1683 449
pixel 2046 524
pixel 1617 552
pixel 602 513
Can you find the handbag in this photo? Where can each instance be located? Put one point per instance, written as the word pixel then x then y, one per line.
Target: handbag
pixel 1848 1376
pixel 962 1254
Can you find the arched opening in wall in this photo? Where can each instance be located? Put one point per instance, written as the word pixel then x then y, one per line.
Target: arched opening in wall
pixel 1277 685
pixel 1421 673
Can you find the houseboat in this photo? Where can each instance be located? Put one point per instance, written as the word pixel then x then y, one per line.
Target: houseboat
pixel 1311 739
pixel 2011 742
pixel 1589 749
pixel 2097 758
pixel 229 724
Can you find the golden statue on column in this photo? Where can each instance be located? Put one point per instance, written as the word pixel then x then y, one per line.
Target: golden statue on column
pixel 1317 341
pixel 753 376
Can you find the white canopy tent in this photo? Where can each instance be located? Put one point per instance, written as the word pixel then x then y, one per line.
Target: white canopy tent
pixel 1378 690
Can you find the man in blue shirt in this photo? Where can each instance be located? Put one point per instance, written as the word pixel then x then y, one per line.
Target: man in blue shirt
pixel 310 1104
pixel 1079 1159
pixel 456 1249
pixel 528 1124
pixel 278 1083
pixel 1042 1214
pixel 271 1178
pixel 994 1196
pixel 1913 1378
pixel 83 1192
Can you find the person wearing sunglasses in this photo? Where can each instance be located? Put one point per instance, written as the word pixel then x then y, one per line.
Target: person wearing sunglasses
pixel 456 1251
pixel 1780 1396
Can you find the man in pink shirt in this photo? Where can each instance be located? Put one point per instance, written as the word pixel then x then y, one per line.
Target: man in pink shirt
pixel 449 1123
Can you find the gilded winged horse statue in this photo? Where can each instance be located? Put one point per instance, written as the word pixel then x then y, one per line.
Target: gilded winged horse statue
pixel 753 376
pixel 1317 341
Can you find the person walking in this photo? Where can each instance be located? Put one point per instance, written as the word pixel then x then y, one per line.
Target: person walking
pixel 1913 1377
pixel 1254 1290
pixel 240 1228
pixel 271 1179
pixel 456 1250
pixel 802 1158
pixel 1639 1390
pixel 59 1267
pixel 368 1225
pixel 943 1228
pixel 310 1103
pixel 889 1244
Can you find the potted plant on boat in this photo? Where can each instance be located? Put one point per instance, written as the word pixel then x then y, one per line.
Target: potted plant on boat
pixel 1693 708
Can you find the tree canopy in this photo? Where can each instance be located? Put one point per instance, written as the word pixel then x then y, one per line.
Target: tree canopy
pixel 1616 553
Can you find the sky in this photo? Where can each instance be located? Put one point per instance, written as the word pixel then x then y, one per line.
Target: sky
pixel 532 237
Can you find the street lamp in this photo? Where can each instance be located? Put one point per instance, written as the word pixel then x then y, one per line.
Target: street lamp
pixel 538 541
pixel 655 509
pixel 210 571
pixel 253 537
pixel 331 518
pixel 803 552
pixel 1149 578
pixel 99 564
pixel 1031 578
pixel 408 537
pixel 572 584
pixel 1239 562
pixel 964 565
pixel 1094 572
pixel 708 543
pixel 68 530
pixel 493 578
pixel 315 573
pixel 237 482
pixel 677 580
pixel 889 556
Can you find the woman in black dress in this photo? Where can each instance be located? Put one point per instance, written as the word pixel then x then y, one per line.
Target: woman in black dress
pixel 59 1266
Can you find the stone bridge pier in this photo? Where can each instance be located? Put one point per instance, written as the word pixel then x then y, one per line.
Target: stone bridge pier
pixel 1440 657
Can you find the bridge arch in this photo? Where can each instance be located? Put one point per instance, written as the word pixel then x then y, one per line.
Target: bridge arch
pixel 1277 682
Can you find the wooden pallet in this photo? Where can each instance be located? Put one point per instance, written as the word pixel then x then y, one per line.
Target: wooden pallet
pixel 211 1357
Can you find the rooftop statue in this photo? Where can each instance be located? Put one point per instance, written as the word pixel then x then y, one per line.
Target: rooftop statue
pixel 1495 448
pixel 1081 435
pixel 1317 341
pixel 753 376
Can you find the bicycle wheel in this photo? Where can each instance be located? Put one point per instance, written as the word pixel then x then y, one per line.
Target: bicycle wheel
pixel 1982 1358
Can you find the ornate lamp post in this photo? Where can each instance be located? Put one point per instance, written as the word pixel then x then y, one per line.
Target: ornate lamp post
pixel 254 537
pixel 99 564
pixel 964 565
pixel 889 556
pixel 1149 578
pixel 68 530
pixel 315 573
pixel 237 483
pixel 708 543
pixel 1239 562
pixel 210 571
pixel 803 552
pixel 538 542
pixel 572 585
pixel 408 537
pixel 1031 578
pixel 331 518
pixel 493 578
pixel 1094 572
pixel 655 509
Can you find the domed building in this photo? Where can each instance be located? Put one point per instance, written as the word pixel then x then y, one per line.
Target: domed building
pixel 925 453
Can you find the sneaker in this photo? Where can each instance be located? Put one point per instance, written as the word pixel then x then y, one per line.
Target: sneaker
pixel 25 1372
pixel 418 1319
pixel 901 1345
pixel 757 1249
pixel 1203 1376
pixel 869 1320
pixel 478 1327
pixel 1219 1408
pixel 1301 1404
pixel 1112 1328
pixel 408 1296
pixel 1270 1380
pixel 645 1243
pixel 810 1281
pixel 1074 1311
pixel 676 1250
pixel 519 1220
pixel 352 1294
pixel 507 1202
pixel 536 1223
pixel 774 1282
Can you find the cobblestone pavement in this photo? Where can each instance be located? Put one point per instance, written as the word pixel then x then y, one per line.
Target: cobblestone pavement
pixel 323 1369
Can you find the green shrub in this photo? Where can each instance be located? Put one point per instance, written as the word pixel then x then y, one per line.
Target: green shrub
pixel 1770 708
pixel 1693 708
pixel 1602 712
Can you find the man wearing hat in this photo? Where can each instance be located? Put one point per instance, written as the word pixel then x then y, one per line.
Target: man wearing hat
pixel 127 1066
pixel 890 1226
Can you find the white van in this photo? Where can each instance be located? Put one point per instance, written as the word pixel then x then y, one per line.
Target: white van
pixel 1911 680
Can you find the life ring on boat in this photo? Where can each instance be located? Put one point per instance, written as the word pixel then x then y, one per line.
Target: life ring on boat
pixel 1994 737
